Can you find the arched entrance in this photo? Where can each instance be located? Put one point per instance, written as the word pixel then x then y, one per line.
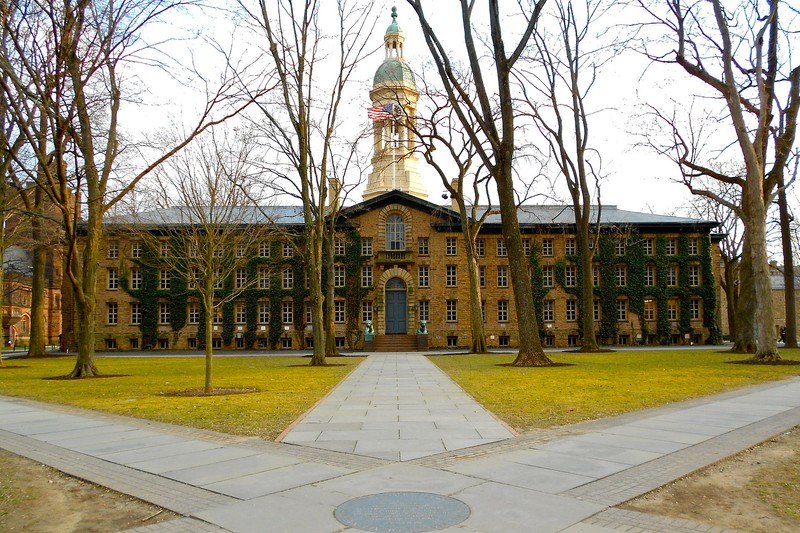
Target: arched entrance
pixel 396 307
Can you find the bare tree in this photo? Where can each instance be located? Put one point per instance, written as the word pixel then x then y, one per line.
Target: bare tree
pixel 489 121
pixel 562 72
pixel 64 64
pixel 211 232
pixel 741 54
pixel 313 52
pixel 785 221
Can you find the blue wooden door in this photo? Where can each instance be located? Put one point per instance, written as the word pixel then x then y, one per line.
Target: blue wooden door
pixel 396 308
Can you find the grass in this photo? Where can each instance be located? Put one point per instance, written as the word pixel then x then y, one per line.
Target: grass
pixel 600 385
pixel 287 388
pixel 596 386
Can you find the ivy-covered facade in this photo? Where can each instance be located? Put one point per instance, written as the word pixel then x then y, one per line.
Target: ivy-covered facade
pixel 400 260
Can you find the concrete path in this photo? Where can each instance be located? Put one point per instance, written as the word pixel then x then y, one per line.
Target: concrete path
pixel 567 479
pixel 397 406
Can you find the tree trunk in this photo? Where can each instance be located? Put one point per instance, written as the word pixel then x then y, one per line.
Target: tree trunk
pixel 84 272
pixel 475 314
pixel 788 269
pixel 315 266
pixel 530 345
pixel 745 341
pixel 731 289
pixel 589 342
pixel 208 304
pixel 329 315
pixel 37 335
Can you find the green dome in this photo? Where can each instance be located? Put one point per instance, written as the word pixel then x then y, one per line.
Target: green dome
pixel 394 70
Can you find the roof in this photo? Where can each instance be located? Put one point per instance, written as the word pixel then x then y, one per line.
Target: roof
pixel 532 218
pixel 394 69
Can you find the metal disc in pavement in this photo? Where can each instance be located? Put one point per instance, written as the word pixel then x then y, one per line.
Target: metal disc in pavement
pixel 402 512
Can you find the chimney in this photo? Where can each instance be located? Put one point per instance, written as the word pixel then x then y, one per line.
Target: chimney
pixel 454 183
pixel 334 189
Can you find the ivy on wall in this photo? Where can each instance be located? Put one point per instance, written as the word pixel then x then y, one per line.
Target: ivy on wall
pixel 635 290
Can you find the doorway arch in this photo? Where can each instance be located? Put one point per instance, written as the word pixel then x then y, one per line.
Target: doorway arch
pixel 396 306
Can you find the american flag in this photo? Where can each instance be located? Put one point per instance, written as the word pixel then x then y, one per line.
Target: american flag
pixel 380 113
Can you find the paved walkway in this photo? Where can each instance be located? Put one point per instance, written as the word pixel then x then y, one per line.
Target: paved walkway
pixel 567 479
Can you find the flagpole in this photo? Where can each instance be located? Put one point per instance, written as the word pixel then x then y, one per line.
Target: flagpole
pixel 394 155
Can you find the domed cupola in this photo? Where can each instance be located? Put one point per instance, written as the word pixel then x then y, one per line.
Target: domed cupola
pixel 394 94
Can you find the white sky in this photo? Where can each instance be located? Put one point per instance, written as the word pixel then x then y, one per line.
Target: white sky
pixel 637 179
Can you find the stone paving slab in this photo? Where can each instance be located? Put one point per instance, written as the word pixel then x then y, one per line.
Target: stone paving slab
pixel 201 475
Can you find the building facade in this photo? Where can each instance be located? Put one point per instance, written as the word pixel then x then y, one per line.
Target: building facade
pixel 400 262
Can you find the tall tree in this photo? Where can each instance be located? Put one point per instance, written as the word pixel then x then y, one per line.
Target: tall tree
pixel 741 54
pixel 785 220
pixel 65 66
pixel 312 53
pixel 489 121
pixel 562 72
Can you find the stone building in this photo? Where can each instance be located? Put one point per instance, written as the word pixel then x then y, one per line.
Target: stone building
pixel 400 260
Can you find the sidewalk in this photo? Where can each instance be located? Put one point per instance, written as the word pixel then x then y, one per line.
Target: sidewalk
pixel 566 479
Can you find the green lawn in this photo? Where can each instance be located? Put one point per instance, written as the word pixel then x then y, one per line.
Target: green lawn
pixel 287 388
pixel 600 385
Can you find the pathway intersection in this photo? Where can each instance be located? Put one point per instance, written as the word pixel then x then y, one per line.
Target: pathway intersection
pixel 398 447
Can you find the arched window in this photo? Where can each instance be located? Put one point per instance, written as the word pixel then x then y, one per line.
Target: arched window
pixel 395 233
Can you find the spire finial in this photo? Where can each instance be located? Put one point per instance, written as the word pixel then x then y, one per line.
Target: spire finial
pixel 393 27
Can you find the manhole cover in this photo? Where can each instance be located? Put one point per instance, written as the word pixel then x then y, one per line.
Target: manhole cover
pixel 402 512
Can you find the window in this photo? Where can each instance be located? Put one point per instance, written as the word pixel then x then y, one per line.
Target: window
pixel 622 275
pixel 451 310
pixel 288 278
pixel 241 249
pixel 501 248
pixel 112 313
pixel 694 309
pixel 503 340
pixel 672 309
pixel 672 246
pixel 239 313
pixel 164 278
pixel 619 246
pixel 502 276
pixel 241 278
pixel 193 312
pixel 648 246
pixel 136 249
pixel 113 278
pixel 288 312
pixel 547 276
pixel 451 276
pixel 547 247
pixel 451 246
pixel 263 249
pixel 366 246
pixel 571 309
pixel 595 276
pixel 482 277
pixel 649 309
pixel 693 247
pixel 263 312
pixel 288 249
pixel 549 310
pixel 216 313
pixel 596 311
pixel 366 276
pixel 286 343
pixel 395 233
pixel 483 310
pixel 338 246
pixel 113 249
pixel 163 313
pixel 366 310
pixel 263 278
pixel 164 249
pixel 526 247
pixel 423 276
pixel 672 276
pixel 422 244
pixel 111 344
pixel 309 317
pixel 192 249
pixel 338 311
pixel 569 246
pixel 218 251
pixel 570 275
pixel 480 247
pixel 194 275
pixel 649 275
pixel 622 309
pixel 219 279
pixel 338 275
pixel 424 310
pixel 136 313
pixel 502 310
pixel 694 275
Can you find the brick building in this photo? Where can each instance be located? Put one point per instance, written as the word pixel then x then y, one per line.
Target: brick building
pixel 400 260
